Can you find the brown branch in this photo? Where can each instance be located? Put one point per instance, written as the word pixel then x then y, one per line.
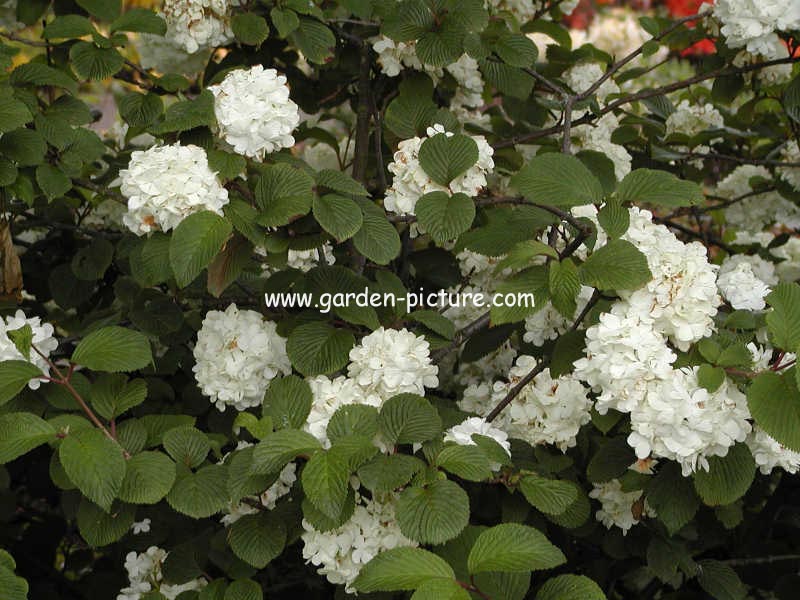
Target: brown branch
pixel 462 335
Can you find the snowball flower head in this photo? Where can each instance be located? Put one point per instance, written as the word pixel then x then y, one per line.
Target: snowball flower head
pixel 462 434
pixel 617 506
pixel 769 454
pixel 42 338
pixel 691 119
pixel 254 112
pixel 329 395
pixel 753 24
pixel 268 498
pixel 145 575
pixel 411 182
pixel 388 362
pixel 166 184
pixel 342 552
pixel 237 355
pixel 198 24
pixel 742 289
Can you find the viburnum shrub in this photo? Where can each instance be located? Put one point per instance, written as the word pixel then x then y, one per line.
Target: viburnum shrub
pixel 206 392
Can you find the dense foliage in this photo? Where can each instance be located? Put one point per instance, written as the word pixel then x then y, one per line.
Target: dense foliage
pixel 625 423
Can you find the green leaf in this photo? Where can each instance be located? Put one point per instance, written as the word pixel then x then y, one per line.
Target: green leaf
pixel 720 580
pixel 140 20
pixel 93 63
pixel 353 420
pixel 576 514
pixel 408 419
pixel 8 171
pixel 530 289
pixel 91 262
pixel 14 587
pixel 614 219
pixel 618 265
pixel 516 50
pixel 14 375
pixel 401 569
pixel 150 261
pixel 339 182
pixel 113 349
pixel 440 589
pixel 319 349
pixel 673 498
pixel 550 496
pixel 288 402
pixel 258 539
pixel 187 446
pixel 106 10
pixel 339 216
pixel 112 394
pixel 243 589
pixel 188 114
pixel 445 217
pixel 149 477
pixel 611 461
pixel 385 473
pixel 658 187
pixel 13 113
pixel 285 20
pixel 226 165
pixel 783 321
pixel 95 464
pixel 467 462
pixel 513 548
pixel 326 480
pixel 68 27
pixel 194 244
pixel 440 48
pixel 710 377
pixel 564 286
pixel 283 193
pixel 277 449
pixel 434 321
pixel 570 587
pixel 21 432
pixel 53 182
pixel 25 147
pixel 249 28
pixel 557 180
pixel 140 110
pixel 101 528
pixel 728 477
pixel 433 514
pixel 774 403
pixel 314 39
pixel 201 494
pixel 377 239
pixel 39 74
pixel 446 157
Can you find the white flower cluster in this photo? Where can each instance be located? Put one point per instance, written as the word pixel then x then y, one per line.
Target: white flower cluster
pixel 617 506
pixel 691 119
pixel 769 454
pixel 547 323
pixel 411 182
pixel 303 260
pixel 254 112
pixel 480 269
pixel 753 24
pixel 462 433
pixel 342 552
pixel 268 498
pixel 329 395
pixel 166 184
pixel 525 10
pixel 237 355
pixel 198 24
pixel 546 411
pixel 144 575
pixel 486 368
pixel 388 362
pixel 758 210
pixel 740 286
pixel 618 32
pixel 788 269
pixel 42 338
pixel 791 154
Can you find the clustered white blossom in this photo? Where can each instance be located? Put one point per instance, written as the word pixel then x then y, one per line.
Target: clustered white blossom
pixel 304 260
pixel 145 576
pixel 753 24
pixel 691 119
pixel 525 10
pixel 410 181
pixel 757 210
pixel 329 395
pixel 769 454
pixel 546 411
pixel 486 368
pixel 547 323
pixel 342 552
pixel 388 362
pixel 741 287
pixel 790 154
pixel 254 112
pixel 617 32
pixel 198 24
pixel 268 498
pixel 237 355
pixel 166 184
pixel 462 433
pixel 617 506
pixel 140 527
pixel 42 339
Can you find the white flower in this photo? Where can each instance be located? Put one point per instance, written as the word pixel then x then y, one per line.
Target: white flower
pixel 462 433
pixel 480 269
pixel 691 119
pixel 411 182
pixel 682 421
pixel 162 54
pixel 388 362
pixel 753 24
pixel 547 323
pixel 470 82
pixel 618 32
pixel 582 76
pixel 328 396
pixel 237 355
pixel 254 112
pixel 268 498
pixel 741 288
pixel 142 526
pixel 393 57
pixel 791 175
pixel 303 260
pixel 145 575
pixel 487 367
pixel 769 454
pixel 166 184
pixel 198 24
pixel 758 210
pixel 42 339
pixel 617 506
pixel 342 552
